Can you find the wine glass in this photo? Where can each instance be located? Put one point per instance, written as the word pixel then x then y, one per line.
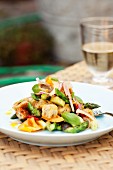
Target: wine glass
pixel 97 47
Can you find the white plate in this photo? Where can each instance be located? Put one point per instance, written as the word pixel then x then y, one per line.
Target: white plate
pixel 89 93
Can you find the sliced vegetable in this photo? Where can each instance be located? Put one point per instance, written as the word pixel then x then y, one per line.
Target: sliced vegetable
pixel 67 92
pixel 14 116
pixel 57 100
pixel 54 79
pixel 94 124
pixel 44 96
pixel 58 127
pixel 35 97
pixel 48 80
pixel 33 110
pixel 41 92
pixel 60 85
pixel 73 95
pixel 51 126
pixel 77 129
pixel 36 88
pixel 79 99
pixel 30 125
pixel 78 105
pixel 53 105
pixel 91 105
pixel 56 119
pixel 42 123
pixel 66 108
pixel 71 118
pixel 61 95
pixel 65 125
pixel 30 116
pixel 42 87
pixel 79 111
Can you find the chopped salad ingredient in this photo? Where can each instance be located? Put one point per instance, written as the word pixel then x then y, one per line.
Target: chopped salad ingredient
pixel 54 106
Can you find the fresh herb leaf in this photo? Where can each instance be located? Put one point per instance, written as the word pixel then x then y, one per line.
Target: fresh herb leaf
pixel 71 118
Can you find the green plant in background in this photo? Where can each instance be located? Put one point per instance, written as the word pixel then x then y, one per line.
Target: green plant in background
pixel 25 44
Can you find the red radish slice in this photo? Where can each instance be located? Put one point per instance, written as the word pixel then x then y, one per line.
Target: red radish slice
pixel 67 92
pixel 56 85
pixel 41 92
pixel 60 86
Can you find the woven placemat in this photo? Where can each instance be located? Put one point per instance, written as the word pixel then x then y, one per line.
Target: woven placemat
pixel 95 155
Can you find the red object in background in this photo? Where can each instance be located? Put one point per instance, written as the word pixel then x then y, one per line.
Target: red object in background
pixel 23 53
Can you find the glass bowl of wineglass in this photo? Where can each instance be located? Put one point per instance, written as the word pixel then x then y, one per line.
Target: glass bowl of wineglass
pixel 97 47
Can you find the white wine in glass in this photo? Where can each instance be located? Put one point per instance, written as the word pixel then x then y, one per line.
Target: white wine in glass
pixel 97 47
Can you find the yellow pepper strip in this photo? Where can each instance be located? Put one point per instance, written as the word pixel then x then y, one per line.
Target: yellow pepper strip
pixel 30 125
pixel 54 119
pixel 49 81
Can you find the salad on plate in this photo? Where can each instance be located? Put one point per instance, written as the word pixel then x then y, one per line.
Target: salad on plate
pixel 54 106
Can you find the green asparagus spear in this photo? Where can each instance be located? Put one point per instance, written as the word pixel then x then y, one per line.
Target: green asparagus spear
pixel 51 126
pixel 61 95
pixel 35 97
pixel 58 127
pixel 77 129
pixel 33 110
pixel 73 95
pixel 54 79
pixel 91 105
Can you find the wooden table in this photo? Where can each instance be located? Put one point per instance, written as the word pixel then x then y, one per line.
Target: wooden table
pixel 95 155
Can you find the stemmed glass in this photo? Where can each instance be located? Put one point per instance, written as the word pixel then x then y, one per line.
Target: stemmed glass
pixel 97 47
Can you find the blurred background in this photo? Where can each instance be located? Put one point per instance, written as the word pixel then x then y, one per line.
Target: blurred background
pixel 40 37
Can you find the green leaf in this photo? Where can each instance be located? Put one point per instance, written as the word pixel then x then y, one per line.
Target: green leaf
pixel 71 118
